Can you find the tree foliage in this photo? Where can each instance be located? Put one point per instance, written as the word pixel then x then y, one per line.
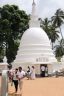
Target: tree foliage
pixel 50 30
pixel 13 22
pixel 57 20
pixel 59 49
pixel 51 26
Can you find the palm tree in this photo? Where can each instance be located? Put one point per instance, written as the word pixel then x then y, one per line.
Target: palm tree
pixel 59 50
pixel 50 30
pixel 58 20
pixel 45 25
pixel 53 35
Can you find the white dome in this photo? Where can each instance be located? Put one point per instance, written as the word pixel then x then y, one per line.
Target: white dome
pixel 35 35
pixel 35 48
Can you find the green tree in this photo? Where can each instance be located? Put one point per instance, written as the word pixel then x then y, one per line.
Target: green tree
pixel 57 20
pixel 13 22
pixel 59 50
pixel 53 35
pixel 45 24
pixel 50 30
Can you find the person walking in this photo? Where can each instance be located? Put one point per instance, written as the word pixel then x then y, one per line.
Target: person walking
pixel 21 75
pixel 33 73
pixel 46 71
pixel 10 75
pixel 15 80
pixel 28 73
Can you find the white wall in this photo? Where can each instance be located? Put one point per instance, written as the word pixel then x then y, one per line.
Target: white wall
pixel 58 66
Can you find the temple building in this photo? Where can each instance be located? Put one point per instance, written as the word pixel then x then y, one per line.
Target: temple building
pixel 35 48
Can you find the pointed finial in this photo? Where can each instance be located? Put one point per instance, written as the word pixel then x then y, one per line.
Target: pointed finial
pixel 34 18
pixel 33 2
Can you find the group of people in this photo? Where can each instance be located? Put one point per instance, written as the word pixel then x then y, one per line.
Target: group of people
pixel 16 76
pixel 30 73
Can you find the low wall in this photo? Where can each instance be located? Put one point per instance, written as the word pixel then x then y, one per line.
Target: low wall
pixel 58 66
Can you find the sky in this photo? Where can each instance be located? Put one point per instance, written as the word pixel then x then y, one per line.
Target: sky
pixel 45 8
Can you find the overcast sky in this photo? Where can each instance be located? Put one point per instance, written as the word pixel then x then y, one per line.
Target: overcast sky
pixel 45 8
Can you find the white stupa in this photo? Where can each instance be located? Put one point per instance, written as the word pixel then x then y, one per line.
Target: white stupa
pixel 35 46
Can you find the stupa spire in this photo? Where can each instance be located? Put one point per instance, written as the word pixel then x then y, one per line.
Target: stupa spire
pixel 33 8
pixel 34 18
pixel 33 1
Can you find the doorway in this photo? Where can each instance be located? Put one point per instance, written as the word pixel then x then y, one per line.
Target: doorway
pixel 43 70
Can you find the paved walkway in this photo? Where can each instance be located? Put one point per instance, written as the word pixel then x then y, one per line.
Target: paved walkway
pixel 42 87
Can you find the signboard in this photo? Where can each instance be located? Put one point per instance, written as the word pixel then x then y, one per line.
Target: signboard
pixel 42 59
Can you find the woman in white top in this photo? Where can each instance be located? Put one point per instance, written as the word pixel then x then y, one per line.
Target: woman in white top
pixel 33 73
